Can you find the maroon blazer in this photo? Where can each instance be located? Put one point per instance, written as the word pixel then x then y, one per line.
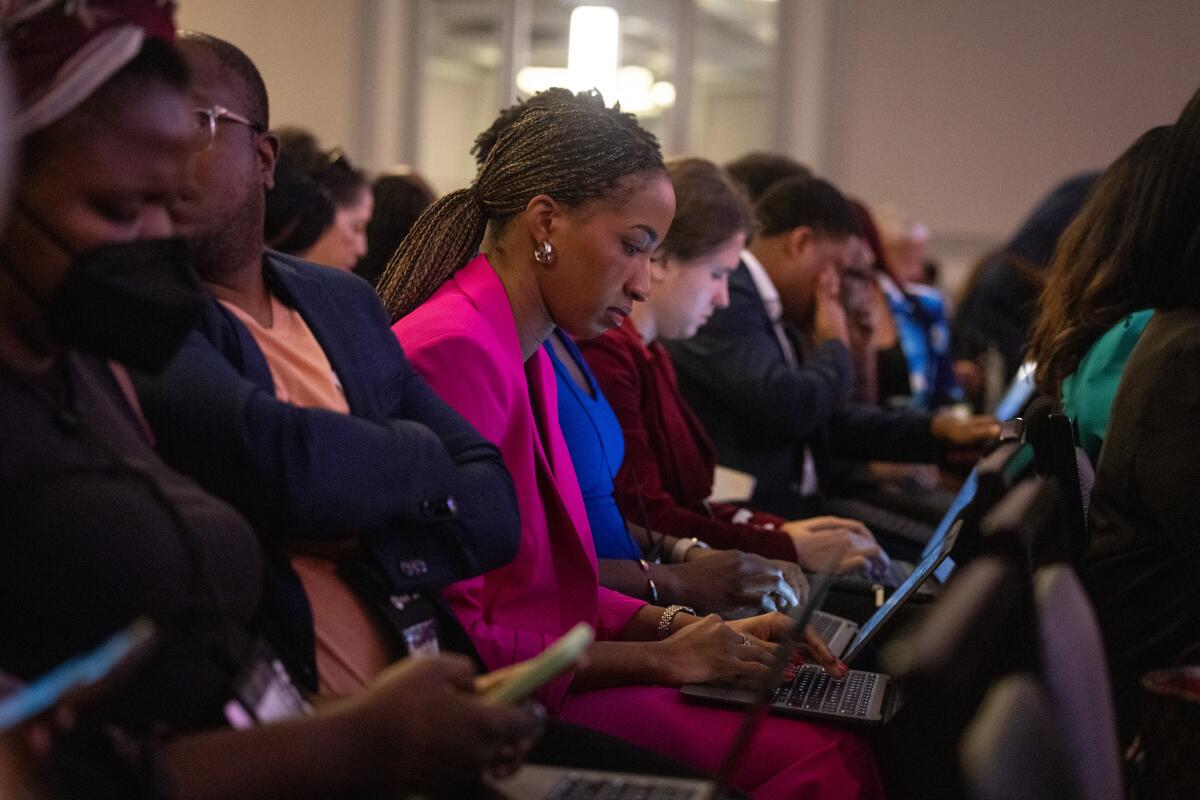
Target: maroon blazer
pixel 669 459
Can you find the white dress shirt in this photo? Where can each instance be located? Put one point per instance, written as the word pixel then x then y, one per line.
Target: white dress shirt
pixel 774 306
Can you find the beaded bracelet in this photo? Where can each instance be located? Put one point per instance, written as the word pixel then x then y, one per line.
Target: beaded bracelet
pixel 668 616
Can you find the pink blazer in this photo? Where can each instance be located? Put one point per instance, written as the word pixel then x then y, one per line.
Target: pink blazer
pixel 464 341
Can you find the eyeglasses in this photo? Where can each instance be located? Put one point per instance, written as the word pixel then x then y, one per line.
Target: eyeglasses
pixel 206 125
pixel 857 274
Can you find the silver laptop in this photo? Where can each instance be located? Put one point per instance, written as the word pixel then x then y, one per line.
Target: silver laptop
pixel 536 782
pixel 861 697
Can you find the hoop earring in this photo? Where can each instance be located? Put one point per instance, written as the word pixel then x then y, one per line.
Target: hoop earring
pixel 543 253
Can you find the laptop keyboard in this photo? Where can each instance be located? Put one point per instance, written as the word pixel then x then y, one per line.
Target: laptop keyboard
pixel 593 787
pixel 826 625
pixel 879 520
pixel 815 690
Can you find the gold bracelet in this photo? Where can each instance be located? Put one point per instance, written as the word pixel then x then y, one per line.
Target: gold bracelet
pixel 668 616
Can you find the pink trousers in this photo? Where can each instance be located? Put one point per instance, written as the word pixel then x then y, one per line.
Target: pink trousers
pixel 788 758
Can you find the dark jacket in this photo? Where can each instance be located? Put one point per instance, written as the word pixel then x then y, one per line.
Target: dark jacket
pixel 429 496
pixel 1000 303
pixel 1142 565
pixel 761 412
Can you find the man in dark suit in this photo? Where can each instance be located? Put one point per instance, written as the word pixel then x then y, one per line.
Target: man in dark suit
pixel 380 474
pixel 770 374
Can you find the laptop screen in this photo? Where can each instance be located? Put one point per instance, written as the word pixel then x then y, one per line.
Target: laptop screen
pixel 966 494
pixel 929 562
pixel 1018 393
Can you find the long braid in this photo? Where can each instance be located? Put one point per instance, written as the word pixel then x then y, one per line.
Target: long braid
pixel 570 147
pixel 441 241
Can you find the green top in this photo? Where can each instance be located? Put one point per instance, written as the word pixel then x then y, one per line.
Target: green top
pixel 1087 394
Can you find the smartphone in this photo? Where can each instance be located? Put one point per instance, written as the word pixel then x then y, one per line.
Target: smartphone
pixel 556 659
pixel 77 675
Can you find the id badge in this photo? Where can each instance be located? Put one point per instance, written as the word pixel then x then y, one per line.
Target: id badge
pixel 263 692
pixel 421 638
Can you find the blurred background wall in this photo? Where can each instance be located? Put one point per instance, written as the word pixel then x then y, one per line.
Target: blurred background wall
pixel 962 113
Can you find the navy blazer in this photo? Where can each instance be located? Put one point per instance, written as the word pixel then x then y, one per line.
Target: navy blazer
pixel 761 411
pixel 430 497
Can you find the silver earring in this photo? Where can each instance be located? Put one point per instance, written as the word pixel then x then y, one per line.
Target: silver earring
pixel 543 253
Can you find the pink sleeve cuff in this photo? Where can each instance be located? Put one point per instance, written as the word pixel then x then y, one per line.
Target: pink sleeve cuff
pixel 613 613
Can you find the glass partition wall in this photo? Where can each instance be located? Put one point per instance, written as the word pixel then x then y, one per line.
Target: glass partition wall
pixel 696 72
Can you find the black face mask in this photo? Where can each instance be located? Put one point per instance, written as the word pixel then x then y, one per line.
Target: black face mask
pixel 131 302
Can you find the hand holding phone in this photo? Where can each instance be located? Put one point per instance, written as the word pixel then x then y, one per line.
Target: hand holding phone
pixel 519 682
pixel 78 680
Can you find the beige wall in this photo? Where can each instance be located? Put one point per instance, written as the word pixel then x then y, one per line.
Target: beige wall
pixel 307 51
pixel 458 103
pixel 962 111
pixel 966 112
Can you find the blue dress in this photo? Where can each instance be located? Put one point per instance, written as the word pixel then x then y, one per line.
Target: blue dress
pixel 597 447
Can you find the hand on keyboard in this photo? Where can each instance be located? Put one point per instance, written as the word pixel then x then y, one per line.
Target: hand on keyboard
pixel 729 580
pixel 769 627
pixel 818 539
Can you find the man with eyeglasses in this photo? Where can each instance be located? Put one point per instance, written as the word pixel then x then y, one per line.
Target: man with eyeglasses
pixel 206 124
pixel 293 402
pixel 357 476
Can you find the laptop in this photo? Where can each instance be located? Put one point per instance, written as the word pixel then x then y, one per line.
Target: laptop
pixel 899 571
pixel 537 782
pixel 1018 393
pixel 1016 397
pixel 861 697
pixel 892 513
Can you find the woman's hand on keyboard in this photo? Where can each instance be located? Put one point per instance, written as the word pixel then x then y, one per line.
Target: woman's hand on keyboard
pixel 820 539
pixel 767 628
pixel 712 651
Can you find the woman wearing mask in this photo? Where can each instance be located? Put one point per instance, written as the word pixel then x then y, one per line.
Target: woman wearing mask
pixel 573 199
pixel 98 530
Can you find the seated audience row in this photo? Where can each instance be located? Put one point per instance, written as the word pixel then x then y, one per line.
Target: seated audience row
pixel 1117 341
pixel 286 401
pixel 337 511
pixel 557 231
pixel 769 376
pixel 99 530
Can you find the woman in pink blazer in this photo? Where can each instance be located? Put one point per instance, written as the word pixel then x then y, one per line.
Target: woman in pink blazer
pixel 573 198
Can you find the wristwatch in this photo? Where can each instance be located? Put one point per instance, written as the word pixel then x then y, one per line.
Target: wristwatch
pixel 668 616
pixel 683 547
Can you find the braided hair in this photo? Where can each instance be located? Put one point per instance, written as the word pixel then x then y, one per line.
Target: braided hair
pixel 568 146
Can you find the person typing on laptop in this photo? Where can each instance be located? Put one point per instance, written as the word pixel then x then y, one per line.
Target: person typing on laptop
pixel 667 471
pixel 770 374
pixel 556 231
